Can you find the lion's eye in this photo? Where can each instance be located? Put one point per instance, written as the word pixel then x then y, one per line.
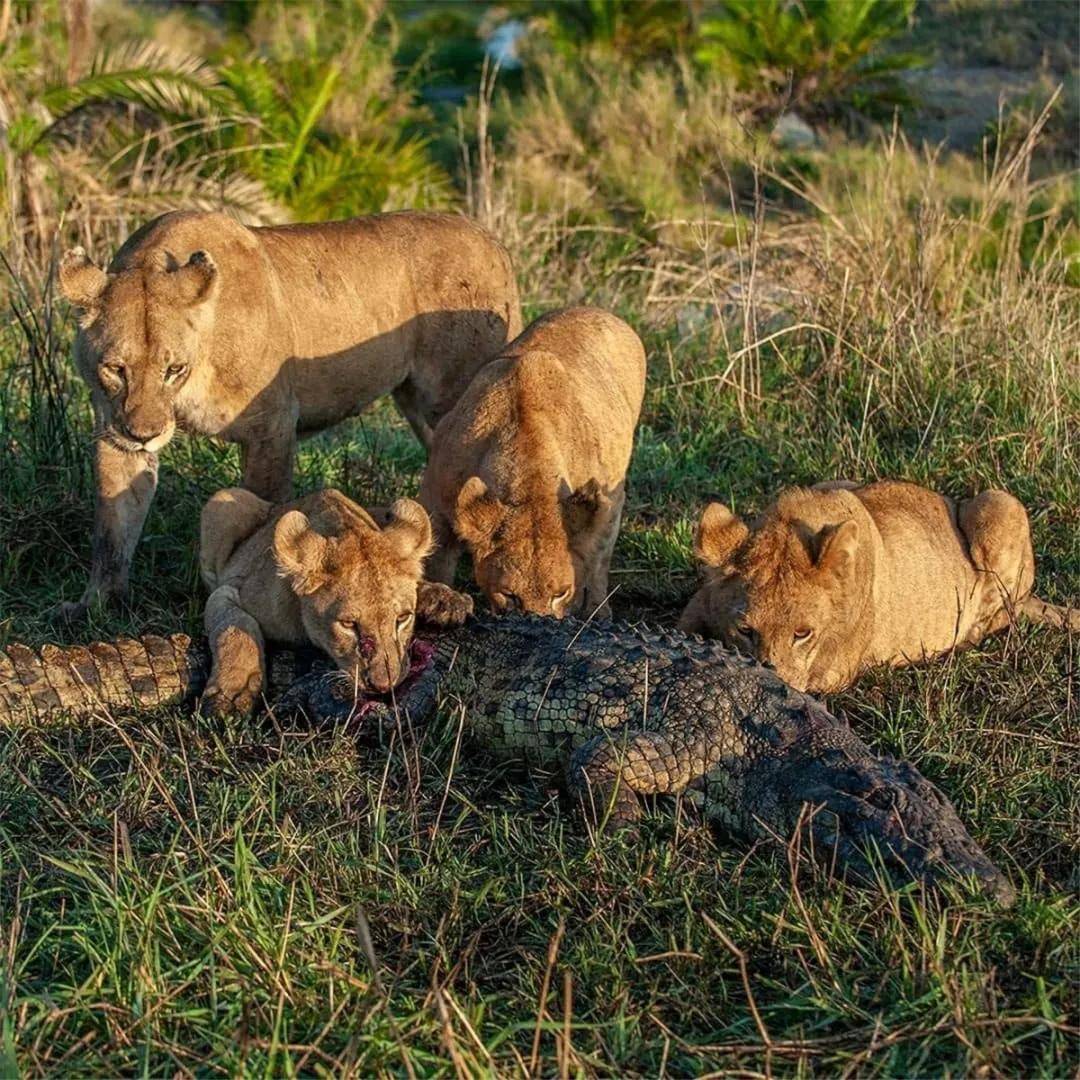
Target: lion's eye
pixel 404 619
pixel 175 371
pixel 114 371
pixel 347 625
pixel 802 635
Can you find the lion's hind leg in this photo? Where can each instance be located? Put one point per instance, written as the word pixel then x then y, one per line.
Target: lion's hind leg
pixel 998 534
pixel 229 517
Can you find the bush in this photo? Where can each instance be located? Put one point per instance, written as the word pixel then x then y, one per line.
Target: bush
pixel 298 113
pixel 816 56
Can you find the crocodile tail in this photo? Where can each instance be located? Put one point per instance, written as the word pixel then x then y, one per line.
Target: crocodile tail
pixel 54 680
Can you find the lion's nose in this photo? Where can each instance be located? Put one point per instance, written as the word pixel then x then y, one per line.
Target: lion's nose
pixel 382 674
pixel 380 681
pixel 142 434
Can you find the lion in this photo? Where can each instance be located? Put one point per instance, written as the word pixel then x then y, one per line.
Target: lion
pixel 527 471
pixel 836 579
pixel 316 570
pixel 260 335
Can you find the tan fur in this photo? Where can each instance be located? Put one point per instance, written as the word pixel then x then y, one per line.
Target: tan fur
pixel 315 570
pixel 257 335
pixel 527 471
pixel 833 580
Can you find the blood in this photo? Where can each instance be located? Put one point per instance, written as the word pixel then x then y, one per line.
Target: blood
pixel 420 654
pixel 420 657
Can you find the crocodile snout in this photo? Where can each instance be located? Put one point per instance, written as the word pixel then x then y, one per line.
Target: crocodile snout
pixel 882 812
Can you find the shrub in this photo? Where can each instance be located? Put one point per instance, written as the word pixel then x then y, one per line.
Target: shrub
pixel 817 56
pixel 631 29
pixel 333 125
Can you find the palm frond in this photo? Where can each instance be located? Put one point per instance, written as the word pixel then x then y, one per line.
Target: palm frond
pixel 810 53
pixel 167 82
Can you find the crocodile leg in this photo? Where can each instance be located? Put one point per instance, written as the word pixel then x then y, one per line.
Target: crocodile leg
pixel 608 773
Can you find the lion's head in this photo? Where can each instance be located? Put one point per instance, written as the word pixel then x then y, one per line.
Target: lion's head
pixel 792 595
pixel 141 329
pixel 529 556
pixel 357 586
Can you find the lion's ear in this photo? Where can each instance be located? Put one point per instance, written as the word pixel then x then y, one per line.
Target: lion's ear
pixel 719 534
pixel 81 282
pixel 581 507
pixel 193 282
pixel 300 553
pixel 836 546
pixel 410 528
pixel 477 512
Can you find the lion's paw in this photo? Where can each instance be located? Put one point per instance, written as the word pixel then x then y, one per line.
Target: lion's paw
pixel 439 605
pixel 217 701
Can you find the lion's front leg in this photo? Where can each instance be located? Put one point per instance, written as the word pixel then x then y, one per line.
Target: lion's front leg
pixel 125 483
pixel 597 601
pixel 238 671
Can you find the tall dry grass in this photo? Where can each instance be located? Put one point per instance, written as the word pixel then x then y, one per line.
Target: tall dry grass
pixel 874 254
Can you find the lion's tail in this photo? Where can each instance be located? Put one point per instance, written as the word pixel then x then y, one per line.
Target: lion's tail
pixel 1040 611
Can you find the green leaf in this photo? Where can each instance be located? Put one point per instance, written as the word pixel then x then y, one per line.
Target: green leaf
pixel 167 82
pixel 314 113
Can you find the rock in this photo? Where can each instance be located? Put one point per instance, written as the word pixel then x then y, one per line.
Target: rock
pixel 502 44
pixel 792 132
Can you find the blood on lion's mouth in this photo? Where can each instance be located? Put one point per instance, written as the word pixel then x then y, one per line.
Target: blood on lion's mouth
pixel 420 655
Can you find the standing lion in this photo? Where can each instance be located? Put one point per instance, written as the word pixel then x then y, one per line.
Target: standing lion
pixel 261 335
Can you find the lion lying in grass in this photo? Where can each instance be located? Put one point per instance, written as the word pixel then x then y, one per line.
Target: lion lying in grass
pixel 315 570
pixel 836 579
pixel 527 470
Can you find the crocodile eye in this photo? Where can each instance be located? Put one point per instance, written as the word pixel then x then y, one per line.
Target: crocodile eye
pixel 802 635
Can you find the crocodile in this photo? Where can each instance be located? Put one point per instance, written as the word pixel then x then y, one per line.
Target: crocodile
pixel 623 710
